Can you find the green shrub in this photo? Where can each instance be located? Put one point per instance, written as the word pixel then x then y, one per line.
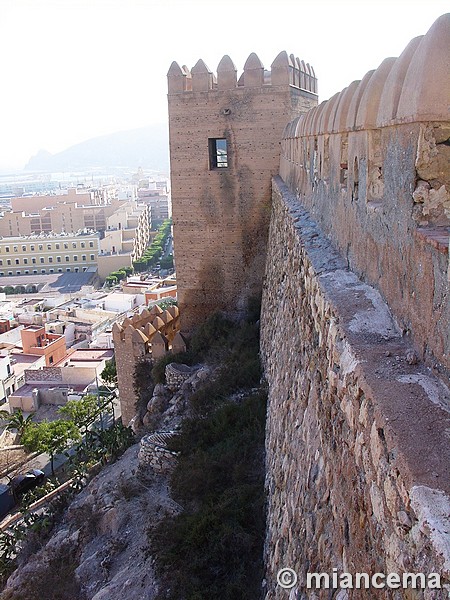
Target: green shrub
pixel 214 548
pixel 211 335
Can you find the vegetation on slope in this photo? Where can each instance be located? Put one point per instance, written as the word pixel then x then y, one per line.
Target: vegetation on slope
pixel 214 548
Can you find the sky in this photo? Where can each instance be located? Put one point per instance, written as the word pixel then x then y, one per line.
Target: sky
pixel 76 69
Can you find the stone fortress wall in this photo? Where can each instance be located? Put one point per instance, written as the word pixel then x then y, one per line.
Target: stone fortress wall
pixel 150 334
pixel 221 215
pixel 372 165
pixel 355 330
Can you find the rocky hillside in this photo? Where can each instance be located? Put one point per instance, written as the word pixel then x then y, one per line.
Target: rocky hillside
pixel 100 551
pixel 158 523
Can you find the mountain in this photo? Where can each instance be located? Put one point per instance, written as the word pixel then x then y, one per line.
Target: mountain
pixel 146 147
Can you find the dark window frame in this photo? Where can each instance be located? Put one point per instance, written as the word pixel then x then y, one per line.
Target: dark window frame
pixel 218 155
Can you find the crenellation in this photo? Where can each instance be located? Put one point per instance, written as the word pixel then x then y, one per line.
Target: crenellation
pixel 226 74
pixel 150 334
pixel 230 205
pixel 359 161
pixel 394 84
pixel 202 77
pixel 285 70
pixel 281 69
pixel 353 264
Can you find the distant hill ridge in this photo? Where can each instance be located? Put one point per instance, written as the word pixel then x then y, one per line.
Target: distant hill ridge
pixel 146 147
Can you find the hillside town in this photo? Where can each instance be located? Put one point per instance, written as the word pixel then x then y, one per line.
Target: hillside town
pixel 67 261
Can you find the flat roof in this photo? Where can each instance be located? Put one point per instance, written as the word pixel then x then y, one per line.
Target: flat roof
pixel 27 389
pixel 92 354
pixel 52 282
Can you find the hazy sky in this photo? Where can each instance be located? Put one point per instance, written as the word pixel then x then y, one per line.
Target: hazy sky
pixel 75 69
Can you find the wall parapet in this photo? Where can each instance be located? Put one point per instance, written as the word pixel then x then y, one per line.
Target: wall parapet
pixel 356 445
pixel 372 164
pixel 414 87
pixel 285 70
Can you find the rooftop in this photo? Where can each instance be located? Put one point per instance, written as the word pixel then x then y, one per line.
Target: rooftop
pixel 62 283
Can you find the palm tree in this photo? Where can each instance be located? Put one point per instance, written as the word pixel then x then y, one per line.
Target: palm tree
pixel 17 421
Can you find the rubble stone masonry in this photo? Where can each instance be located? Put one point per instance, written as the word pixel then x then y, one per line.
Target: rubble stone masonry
pixel 355 332
pixel 357 432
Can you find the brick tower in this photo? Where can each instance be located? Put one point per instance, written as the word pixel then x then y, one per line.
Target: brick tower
pixel 224 148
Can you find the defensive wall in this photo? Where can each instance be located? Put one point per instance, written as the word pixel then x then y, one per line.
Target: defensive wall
pixel 147 335
pixel 355 331
pixel 221 193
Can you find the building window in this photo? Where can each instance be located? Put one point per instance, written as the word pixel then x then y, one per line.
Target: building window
pixel 43 271
pixel 24 248
pixel 33 260
pixel 91 244
pixel 218 153
pixel 68 269
pixel 27 272
pixel 1 262
pixel 57 246
pixel 31 248
pixel 76 269
pixel 41 247
pixel 67 258
pixel 25 261
pixel 2 274
pixel 17 272
pixel 50 259
pixel 10 273
pixel 49 246
pixel 83 245
pixel 74 244
pixel 42 260
pixel 17 261
pixel 92 256
pixel 51 270
pixel 60 270
pixel 7 249
pixel 8 262
pixel 66 246
pixel 50 360
pixel 75 258
pixel 58 259
pixel 16 249
pixel 83 257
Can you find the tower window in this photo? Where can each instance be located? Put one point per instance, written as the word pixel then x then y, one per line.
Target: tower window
pixel 218 153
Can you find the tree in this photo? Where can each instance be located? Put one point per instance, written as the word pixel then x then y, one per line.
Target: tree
pixel 51 437
pixel 82 412
pixel 109 373
pixel 166 262
pixel 17 421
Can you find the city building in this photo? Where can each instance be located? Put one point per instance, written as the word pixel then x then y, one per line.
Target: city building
pixel 36 341
pixel 156 195
pixel 75 376
pixel 7 379
pixel 70 212
pixel 125 239
pixel 47 254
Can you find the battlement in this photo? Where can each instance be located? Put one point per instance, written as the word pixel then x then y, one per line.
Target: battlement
pixel 285 70
pixel 414 87
pixel 372 166
pixel 148 334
